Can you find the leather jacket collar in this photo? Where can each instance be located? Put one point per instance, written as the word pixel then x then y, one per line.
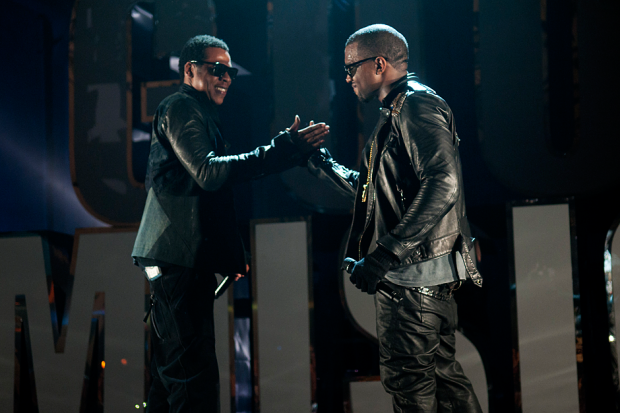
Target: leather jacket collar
pixel 204 99
pixel 399 86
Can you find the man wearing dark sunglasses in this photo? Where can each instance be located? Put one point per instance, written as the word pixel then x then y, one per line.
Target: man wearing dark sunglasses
pixel 211 76
pixel 409 238
pixel 188 230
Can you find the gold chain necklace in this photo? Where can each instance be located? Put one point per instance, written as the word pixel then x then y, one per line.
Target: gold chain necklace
pixel 370 167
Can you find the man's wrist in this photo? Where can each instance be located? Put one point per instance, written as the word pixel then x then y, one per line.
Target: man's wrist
pixel 382 258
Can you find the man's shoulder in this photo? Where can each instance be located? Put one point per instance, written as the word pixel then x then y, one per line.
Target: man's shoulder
pixel 419 104
pixel 419 92
pixel 178 99
pixel 178 104
pixel 419 97
pixel 413 86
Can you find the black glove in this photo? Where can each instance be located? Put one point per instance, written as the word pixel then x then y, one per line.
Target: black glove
pixel 369 271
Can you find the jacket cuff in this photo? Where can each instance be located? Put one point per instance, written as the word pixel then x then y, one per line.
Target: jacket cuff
pixel 384 258
pixel 318 158
pixel 394 246
pixel 286 148
pixel 283 138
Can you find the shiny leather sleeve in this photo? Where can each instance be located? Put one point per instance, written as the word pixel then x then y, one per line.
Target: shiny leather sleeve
pixel 426 127
pixel 193 140
pixel 343 179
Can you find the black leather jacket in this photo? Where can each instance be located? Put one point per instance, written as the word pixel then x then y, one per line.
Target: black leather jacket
pixel 189 216
pixel 415 195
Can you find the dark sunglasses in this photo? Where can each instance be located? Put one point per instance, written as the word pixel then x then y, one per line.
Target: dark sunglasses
pixel 219 69
pixel 352 67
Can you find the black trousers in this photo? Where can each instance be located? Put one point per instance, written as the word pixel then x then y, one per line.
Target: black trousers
pixel 184 367
pixel 417 364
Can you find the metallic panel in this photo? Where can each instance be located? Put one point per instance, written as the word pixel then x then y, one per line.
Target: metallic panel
pixel 23 270
pixel 368 396
pixel 545 308
pixel 612 286
pixel 223 314
pixel 100 263
pixel 470 360
pixel 284 369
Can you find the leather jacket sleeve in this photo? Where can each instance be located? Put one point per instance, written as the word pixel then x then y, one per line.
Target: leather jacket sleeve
pixel 426 127
pixel 193 140
pixel 323 166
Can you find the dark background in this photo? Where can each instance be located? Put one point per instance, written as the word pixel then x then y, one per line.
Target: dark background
pixel 535 101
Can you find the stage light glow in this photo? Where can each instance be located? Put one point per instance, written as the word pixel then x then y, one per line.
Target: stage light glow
pixel 138 135
pixel 174 63
pixel 612 338
pixel 124 362
pixel 102 364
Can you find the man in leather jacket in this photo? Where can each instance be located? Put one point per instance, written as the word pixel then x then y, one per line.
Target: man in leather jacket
pixel 409 237
pixel 188 230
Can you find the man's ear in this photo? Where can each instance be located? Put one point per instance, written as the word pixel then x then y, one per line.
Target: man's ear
pixel 188 69
pixel 381 65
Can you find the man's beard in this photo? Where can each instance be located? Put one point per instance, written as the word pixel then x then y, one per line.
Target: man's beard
pixel 364 99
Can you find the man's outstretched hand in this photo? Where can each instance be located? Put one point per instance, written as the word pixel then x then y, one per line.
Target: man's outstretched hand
pixel 310 138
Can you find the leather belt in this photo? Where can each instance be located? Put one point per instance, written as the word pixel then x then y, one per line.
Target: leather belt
pixel 443 292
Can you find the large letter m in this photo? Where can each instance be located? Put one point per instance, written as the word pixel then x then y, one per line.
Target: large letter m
pixel 105 284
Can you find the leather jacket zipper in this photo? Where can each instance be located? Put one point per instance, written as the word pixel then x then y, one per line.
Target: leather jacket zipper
pixel 377 159
pixel 359 247
pixel 402 198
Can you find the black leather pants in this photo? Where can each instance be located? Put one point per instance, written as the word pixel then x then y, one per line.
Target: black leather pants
pixel 417 364
pixel 184 366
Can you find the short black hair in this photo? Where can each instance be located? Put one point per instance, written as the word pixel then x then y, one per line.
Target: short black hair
pixel 381 40
pixel 195 47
